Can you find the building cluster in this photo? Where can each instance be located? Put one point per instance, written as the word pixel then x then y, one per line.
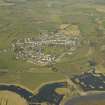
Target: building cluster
pixel 90 81
pixel 33 49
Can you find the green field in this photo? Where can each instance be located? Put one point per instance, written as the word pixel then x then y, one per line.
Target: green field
pixel 29 18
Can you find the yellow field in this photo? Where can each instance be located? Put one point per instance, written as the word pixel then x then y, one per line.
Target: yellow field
pixel 68 29
pixel 10 98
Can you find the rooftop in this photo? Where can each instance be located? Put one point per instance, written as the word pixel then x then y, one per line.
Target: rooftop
pixel 90 81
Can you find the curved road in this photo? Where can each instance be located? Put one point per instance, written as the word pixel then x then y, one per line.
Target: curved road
pixel 88 98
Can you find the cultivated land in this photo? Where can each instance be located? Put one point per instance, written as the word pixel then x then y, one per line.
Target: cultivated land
pixel 8 98
pixel 33 18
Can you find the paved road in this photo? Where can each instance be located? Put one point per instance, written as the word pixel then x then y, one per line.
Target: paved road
pixel 88 98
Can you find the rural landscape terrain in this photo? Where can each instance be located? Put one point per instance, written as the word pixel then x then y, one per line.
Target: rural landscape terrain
pixel 46 41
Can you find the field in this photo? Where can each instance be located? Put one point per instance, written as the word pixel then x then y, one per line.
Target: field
pixel 93 103
pixel 28 18
pixel 8 98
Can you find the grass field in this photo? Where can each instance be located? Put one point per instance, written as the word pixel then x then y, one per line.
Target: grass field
pixel 29 18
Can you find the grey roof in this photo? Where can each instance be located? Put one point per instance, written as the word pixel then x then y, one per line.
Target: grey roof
pixel 90 81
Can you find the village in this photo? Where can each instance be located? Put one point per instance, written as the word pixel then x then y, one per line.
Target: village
pixel 46 48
